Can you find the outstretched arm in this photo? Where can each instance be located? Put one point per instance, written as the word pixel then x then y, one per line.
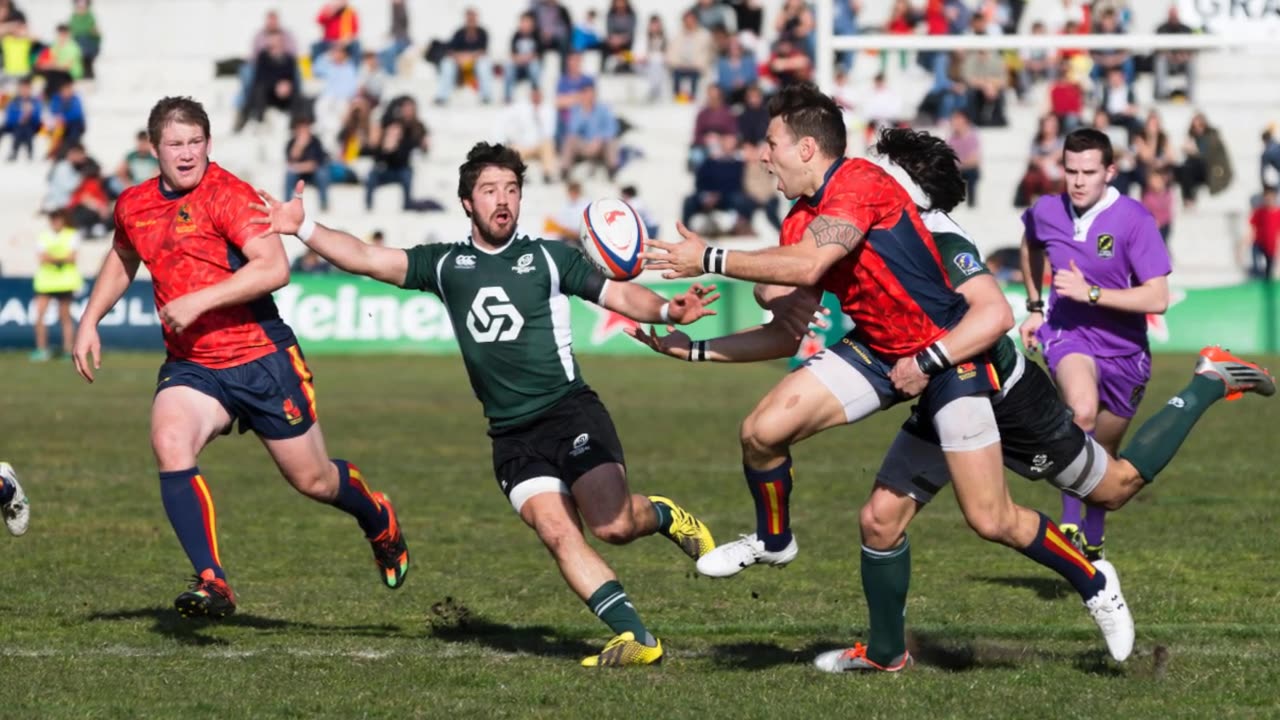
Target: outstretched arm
pixel 644 305
pixel 776 339
pixel 826 241
pixel 343 250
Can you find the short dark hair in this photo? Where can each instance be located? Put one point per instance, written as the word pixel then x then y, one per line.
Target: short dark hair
pixel 175 109
pixel 1082 139
pixel 808 112
pixel 483 155
pixel 930 162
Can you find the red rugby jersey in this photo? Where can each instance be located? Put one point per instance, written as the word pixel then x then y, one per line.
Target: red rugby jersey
pixel 191 241
pixel 893 285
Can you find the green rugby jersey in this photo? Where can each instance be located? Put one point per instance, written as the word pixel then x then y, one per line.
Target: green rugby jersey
pixel 510 313
pixel 963 262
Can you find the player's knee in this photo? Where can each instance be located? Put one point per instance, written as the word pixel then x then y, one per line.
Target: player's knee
pixel 559 537
pixel 318 483
pixel 763 436
pixel 1085 416
pixel 992 524
pixel 616 532
pixel 881 528
pixel 173 447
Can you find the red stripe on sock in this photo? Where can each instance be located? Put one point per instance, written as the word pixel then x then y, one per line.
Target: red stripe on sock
pixel 209 515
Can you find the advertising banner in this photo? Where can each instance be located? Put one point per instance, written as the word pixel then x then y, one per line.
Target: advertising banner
pixel 342 314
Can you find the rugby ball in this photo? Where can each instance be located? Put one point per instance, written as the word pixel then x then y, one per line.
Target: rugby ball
pixel 613 237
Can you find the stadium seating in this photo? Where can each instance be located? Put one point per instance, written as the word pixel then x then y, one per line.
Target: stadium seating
pixel 171 47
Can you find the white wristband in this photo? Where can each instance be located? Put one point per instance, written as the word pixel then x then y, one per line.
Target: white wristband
pixel 306 230
pixel 664 313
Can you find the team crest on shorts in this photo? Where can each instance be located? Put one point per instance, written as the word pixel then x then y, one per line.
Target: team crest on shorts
pixel 291 411
pixel 1135 396
pixel 967 371
pixel 1106 245
pixel 581 444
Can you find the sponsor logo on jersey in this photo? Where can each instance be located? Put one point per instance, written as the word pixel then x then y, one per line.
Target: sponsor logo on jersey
pixel 524 264
pixel 1106 245
pixel 185 223
pixel 967 263
pixel 492 317
pixel 144 223
pixel 465 262
pixel 581 444
pixel 1177 402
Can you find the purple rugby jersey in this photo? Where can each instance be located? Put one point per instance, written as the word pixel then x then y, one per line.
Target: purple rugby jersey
pixel 1116 244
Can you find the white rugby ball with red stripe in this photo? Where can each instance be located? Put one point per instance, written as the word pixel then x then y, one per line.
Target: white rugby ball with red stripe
pixel 613 237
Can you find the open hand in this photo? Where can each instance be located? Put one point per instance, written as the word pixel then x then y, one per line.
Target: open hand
pixel 87 351
pixel 678 259
pixel 691 304
pixel 280 217
pixel 675 343
pixel 800 315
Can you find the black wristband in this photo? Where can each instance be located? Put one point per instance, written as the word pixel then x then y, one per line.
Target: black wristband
pixel 713 260
pixel 933 360
pixel 1035 305
pixel 697 351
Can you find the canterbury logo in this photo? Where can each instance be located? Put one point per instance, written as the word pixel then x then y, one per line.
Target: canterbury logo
pixel 493 318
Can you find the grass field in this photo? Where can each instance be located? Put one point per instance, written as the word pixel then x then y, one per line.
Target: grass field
pixel 485 628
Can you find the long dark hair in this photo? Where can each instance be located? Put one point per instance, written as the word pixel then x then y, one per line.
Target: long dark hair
pixel 930 162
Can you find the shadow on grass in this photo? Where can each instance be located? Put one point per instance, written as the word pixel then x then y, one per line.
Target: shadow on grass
pixel 1046 588
pixel 763 656
pixel 167 622
pixel 451 621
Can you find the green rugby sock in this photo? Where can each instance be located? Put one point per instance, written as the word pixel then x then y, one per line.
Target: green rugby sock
pixel 611 604
pixel 1158 440
pixel 886 575
pixel 663 511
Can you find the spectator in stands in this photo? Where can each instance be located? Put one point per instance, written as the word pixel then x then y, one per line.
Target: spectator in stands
pixel 1151 148
pixel 22 119
pixel 1066 98
pixel 84 30
pixel 1044 174
pixel 400 134
pixel 305 159
pixel 61 63
pixel 714 121
pixel 469 57
pixel 620 25
pixel 1157 198
pixel 64 178
pixel 17 47
pixel 655 58
pixel 564 224
pixel 570 88
pixel 718 186
pixel 753 118
pixel 1046 146
pixel 1205 161
pixel 883 106
pixel 759 190
pixel 845 24
pixel 555 30
pixel 689 57
pixel 952 95
pixel 714 14
pixel 1037 64
pixel 749 17
pixel 57 277
pixel 339 25
pixel 523 64
pixel 788 64
pixel 10 17
pixel 1264 224
pixel 795 22
pixel 529 126
pixel 1117 58
pixel 987 76
pixel 400 39
pixel 341 82
pixel 631 197
pixel 1174 62
pixel 902 21
pixel 371 80
pixel 592 134
pixel 65 119
pixel 1270 160
pixel 968 146
pixel 276 82
pixel 271 24
pixel 138 165
pixel 586 34
pixel 310 263
pixel 736 70
pixel 357 133
pixel 1118 101
pixel 89 208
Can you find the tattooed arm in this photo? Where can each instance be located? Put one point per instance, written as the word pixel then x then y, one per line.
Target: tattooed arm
pixel 826 241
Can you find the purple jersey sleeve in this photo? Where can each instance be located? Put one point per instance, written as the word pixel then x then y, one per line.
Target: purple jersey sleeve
pixel 1148 255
